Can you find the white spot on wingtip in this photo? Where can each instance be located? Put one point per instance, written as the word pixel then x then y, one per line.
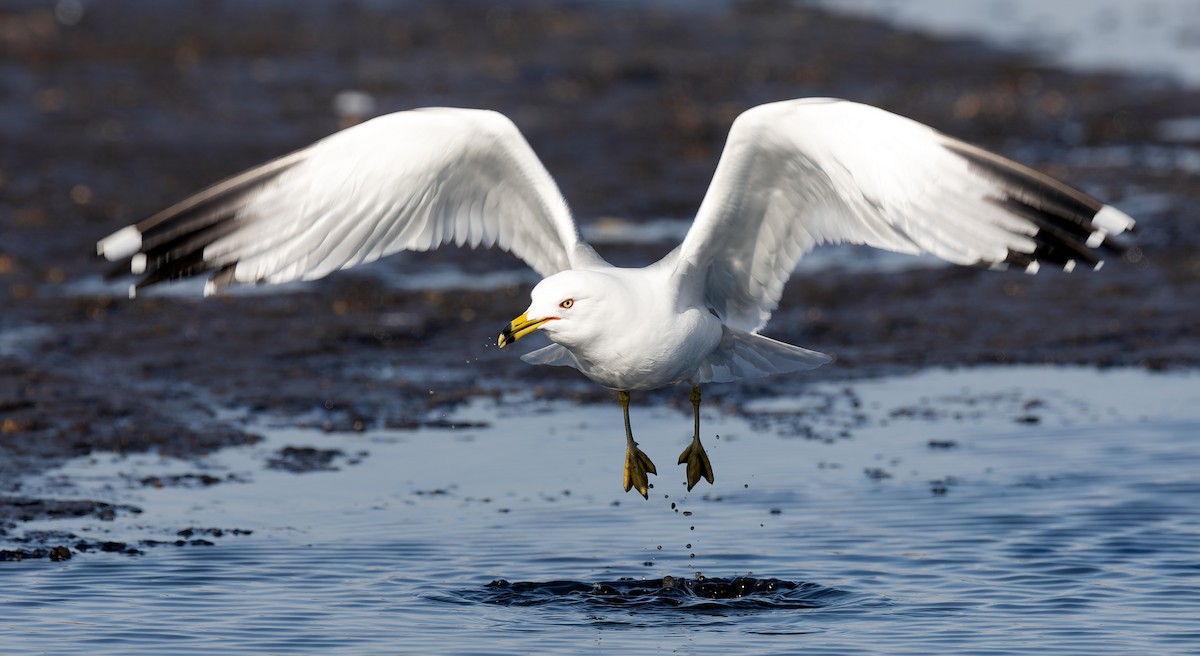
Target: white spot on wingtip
pixel 1112 220
pixel 120 244
pixel 1096 238
pixel 137 265
pixel 1069 266
pixel 210 288
pixel 133 291
pixel 1033 267
pixel 1098 265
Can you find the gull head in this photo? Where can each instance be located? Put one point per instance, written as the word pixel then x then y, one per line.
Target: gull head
pixel 570 307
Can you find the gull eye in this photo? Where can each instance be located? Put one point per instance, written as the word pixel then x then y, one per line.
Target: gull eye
pixel 567 303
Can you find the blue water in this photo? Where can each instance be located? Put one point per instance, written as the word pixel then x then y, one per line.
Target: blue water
pixel 987 511
pixel 1154 37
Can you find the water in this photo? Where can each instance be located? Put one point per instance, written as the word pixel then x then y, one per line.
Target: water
pixel 998 510
pixel 1155 37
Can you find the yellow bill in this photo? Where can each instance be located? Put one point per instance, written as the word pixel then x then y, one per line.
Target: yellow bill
pixel 520 327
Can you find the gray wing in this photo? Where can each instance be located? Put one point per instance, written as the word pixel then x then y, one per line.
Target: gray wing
pixel 800 173
pixel 411 180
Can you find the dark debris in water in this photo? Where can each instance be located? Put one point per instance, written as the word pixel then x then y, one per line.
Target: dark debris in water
pixel 25 509
pixel 190 480
pixel 108 546
pixel 60 552
pixel 214 532
pixel 877 473
pixel 197 537
pixel 62 545
pixel 55 553
pixel 737 593
pixel 304 459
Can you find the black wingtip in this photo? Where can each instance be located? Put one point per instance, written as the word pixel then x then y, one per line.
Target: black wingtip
pixel 1072 228
pixel 170 245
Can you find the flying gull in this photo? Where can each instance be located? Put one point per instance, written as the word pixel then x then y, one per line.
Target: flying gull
pixel 793 175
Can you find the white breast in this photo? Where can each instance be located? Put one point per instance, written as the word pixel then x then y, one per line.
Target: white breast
pixel 650 339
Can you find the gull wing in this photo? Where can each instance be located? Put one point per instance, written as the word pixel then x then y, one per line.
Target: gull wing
pixel 412 180
pixel 800 173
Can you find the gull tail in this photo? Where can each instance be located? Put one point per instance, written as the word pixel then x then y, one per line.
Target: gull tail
pixel 747 355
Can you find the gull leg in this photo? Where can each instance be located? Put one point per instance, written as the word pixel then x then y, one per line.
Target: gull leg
pixel 694 455
pixel 637 464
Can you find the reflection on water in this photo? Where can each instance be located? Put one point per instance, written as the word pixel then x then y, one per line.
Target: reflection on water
pixel 985 511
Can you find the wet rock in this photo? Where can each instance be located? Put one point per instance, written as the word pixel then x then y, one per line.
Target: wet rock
pixel 56 553
pixel 877 473
pixel 27 509
pixel 107 546
pixel 213 532
pixel 186 480
pixel 301 460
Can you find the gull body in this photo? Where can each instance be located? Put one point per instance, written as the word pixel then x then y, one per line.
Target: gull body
pixel 794 174
pixel 656 335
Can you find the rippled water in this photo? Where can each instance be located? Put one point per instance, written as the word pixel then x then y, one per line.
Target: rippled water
pixel 987 511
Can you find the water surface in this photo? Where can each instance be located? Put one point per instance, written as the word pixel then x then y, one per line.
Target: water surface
pixel 978 511
pixel 1156 37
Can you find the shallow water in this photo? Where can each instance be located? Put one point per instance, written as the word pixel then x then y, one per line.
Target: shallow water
pixel 979 511
pixel 1155 37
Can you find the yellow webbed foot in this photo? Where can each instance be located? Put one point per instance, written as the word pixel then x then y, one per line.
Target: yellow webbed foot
pixel 637 468
pixel 698 465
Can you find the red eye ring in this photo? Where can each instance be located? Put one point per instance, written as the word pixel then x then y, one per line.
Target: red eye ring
pixel 567 303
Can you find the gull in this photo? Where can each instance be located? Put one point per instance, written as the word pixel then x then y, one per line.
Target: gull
pixel 794 174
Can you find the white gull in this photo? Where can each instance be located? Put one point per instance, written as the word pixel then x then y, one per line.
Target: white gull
pixel 794 174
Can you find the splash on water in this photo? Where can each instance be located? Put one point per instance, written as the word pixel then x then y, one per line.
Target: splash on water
pixel 700 593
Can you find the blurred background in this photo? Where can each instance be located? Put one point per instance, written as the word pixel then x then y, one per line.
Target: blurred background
pixel 915 500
